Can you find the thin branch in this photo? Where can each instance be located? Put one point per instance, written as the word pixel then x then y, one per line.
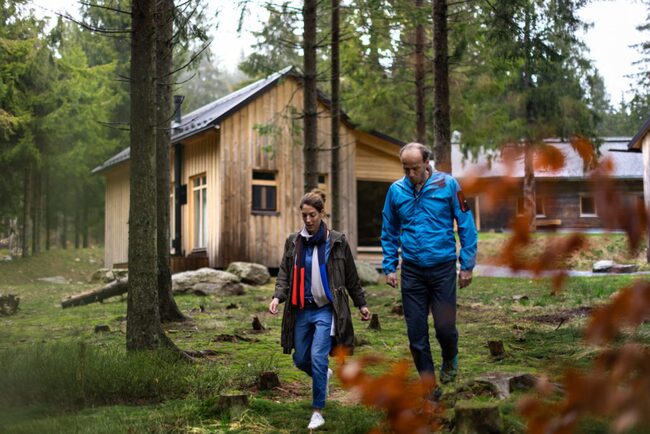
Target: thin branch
pixel 108 8
pixel 107 32
pixel 189 62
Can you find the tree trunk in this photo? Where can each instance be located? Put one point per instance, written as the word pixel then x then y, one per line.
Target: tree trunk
pixel 84 220
pixel 420 117
pixel 77 218
pixel 143 330
pixel 27 206
pixel 115 288
pixel 48 205
pixel 441 120
pixel 169 311
pixel 63 236
pixel 336 120
pixel 310 96
pixel 36 211
pixel 529 170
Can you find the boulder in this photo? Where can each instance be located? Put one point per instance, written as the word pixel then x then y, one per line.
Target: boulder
pixel 120 273
pixel 624 268
pixel 206 281
pixel 522 383
pixel 103 275
pixel 602 266
pixel 367 273
pixel 248 272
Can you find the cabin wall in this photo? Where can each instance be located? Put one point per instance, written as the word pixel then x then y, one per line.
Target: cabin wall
pixel 201 157
pixel 561 201
pixel 116 244
pixel 259 237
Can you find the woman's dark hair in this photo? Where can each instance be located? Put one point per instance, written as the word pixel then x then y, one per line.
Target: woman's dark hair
pixel 315 198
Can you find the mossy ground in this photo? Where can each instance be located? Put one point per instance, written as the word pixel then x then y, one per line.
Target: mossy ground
pixel 542 333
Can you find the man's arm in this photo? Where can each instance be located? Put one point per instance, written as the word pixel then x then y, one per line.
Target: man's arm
pixel 390 239
pixel 467 235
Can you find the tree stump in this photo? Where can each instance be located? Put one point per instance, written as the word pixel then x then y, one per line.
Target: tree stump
pixel 497 351
pixel 257 325
pixel 477 418
pixel 398 309
pixel 8 304
pixel 231 405
pixel 374 322
pixel 101 328
pixel 268 380
pixel 522 383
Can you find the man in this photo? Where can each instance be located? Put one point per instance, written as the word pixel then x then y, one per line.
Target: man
pixel 419 215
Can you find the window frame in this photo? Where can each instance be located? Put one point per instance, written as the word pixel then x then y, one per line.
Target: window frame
pixel 538 199
pixel 584 214
pixel 264 183
pixel 199 242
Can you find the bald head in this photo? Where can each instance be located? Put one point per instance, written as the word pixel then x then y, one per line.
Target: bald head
pixel 415 159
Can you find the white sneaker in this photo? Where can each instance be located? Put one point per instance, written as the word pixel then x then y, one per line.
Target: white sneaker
pixel 329 376
pixel 316 421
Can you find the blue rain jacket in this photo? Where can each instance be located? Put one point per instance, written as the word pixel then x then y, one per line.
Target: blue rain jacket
pixel 423 224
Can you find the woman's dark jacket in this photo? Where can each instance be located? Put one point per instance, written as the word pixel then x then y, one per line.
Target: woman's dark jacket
pixel 342 276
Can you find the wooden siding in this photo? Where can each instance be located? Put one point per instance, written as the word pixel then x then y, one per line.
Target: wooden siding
pixel 259 237
pixel 201 156
pixel 561 202
pixel 377 165
pixel 229 153
pixel 117 216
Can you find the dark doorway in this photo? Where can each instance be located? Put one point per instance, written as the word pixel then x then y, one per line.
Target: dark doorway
pixel 370 202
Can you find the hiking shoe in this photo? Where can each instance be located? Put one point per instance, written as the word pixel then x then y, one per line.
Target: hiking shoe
pixel 436 394
pixel 448 370
pixel 316 421
pixel 329 376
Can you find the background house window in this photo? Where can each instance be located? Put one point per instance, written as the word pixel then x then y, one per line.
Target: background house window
pixel 539 206
pixel 199 208
pixel 587 206
pixel 264 191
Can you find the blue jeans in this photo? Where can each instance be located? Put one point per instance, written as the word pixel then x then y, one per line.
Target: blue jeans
pixel 312 343
pixel 424 290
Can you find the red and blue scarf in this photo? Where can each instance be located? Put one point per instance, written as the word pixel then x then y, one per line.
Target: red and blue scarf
pixel 319 242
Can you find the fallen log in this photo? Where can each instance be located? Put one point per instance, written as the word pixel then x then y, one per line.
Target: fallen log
pixel 117 287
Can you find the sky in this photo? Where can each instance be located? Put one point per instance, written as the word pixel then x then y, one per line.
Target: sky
pixel 609 40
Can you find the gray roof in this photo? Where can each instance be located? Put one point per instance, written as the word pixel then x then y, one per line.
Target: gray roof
pixel 627 165
pixel 635 143
pixel 209 115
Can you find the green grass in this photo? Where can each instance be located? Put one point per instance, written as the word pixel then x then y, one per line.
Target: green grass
pixel 60 376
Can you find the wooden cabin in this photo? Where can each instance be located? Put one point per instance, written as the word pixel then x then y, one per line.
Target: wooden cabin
pixel 237 174
pixel 640 143
pixel 564 199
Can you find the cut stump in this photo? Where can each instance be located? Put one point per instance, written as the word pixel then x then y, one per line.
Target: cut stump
pixel 374 322
pixel 268 380
pixel 477 418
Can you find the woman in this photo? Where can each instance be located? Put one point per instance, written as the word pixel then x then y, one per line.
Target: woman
pixel 316 270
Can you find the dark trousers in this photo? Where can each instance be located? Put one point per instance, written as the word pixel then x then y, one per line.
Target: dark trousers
pixel 424 290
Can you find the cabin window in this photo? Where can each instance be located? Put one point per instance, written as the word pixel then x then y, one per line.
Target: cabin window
pixel 265 187
pixel 539 206
pixel 587 206
pixel 199 209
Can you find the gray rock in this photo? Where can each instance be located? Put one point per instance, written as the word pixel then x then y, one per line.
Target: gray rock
pixel 522 383
pixel 623 268
pixel 120 273
pixel 59 280
pixel 7 259
pixel 103 275
pixel 206 281
pixel 248 272
pixel 367 273
pixel 602 266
